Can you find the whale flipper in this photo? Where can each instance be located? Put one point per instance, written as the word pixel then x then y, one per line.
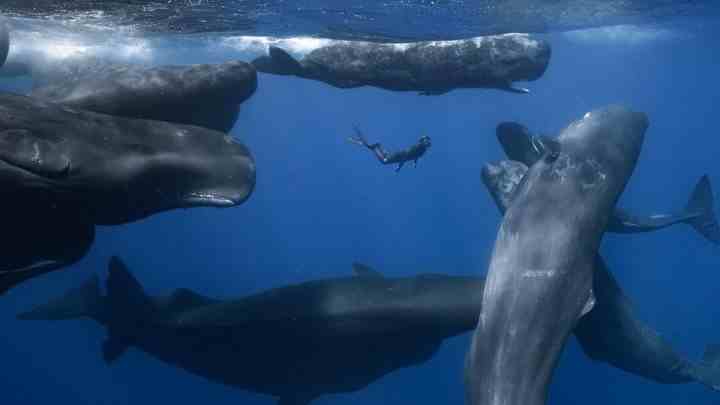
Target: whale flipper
pixel 589 305
pixel 516 141
pixel 512 89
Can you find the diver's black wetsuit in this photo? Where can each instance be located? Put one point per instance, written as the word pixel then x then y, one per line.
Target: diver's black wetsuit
pixel 412 153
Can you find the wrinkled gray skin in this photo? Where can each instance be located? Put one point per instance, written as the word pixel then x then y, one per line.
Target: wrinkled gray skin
pixel 4 41
pixel 203 95
pixel 540 276
pixel 116 170
pixel 345 332
pixel 296 342
pixel 426 67
pixel 520 145
pixel 611 332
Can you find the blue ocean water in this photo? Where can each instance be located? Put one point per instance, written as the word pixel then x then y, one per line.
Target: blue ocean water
pixel 322 203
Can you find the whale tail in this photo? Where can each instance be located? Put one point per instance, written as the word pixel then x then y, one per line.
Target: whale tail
pixel 277 62
pixel 707 371
pixel 127 308
pixel 700 208
pixel 81 302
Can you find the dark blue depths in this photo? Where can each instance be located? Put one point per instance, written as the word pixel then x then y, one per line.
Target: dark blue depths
pixel 321 203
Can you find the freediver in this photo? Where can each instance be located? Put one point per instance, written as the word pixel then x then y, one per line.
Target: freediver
pixel 412 153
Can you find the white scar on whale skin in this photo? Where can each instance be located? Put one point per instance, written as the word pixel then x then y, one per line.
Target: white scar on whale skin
pixel 539 273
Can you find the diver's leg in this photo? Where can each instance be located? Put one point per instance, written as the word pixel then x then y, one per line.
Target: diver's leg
pixel 400 165
pixel 359 138
pixel 380 153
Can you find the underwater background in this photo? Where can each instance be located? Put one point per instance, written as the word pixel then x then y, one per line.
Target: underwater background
pixel 321 204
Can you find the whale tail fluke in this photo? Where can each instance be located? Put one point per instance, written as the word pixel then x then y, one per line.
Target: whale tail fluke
pixel 127 308
pixel 277 62
pixel 707 371
pixel 81 302
pixel 700 207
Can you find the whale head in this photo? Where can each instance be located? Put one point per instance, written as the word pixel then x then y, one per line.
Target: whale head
pixel 118 170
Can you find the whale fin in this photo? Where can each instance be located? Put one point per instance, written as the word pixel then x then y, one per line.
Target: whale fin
pixel 128 307
pixel 21 148
pixel 278 62
pixel 701 204
pixel 522 146
pixel 515 140
pixel 707 371
pixel 126 296
pixel 362 270
pixel 512 89
pixel 81 302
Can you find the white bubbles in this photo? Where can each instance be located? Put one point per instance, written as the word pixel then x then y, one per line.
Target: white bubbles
pixel 34 43
pixel 259 44
pixel 623 34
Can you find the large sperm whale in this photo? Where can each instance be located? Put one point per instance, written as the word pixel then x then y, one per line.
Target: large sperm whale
pixel 539 281
pixel 611 332
pixel 207 95
pixel 116 169
pixel 431 68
